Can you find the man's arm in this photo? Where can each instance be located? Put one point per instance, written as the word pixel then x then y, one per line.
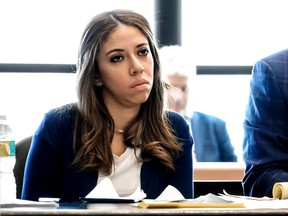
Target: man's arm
pixel 266 126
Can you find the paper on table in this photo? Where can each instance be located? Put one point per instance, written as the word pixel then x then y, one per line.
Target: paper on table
pixel 265 198
pixel 170 194
pixel 172 198
pixel 257 202
pixel 105 189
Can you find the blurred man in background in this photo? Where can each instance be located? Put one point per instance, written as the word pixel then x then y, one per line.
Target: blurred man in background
pixel 212 141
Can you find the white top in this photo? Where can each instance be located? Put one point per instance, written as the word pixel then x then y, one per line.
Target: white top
pixel 126 174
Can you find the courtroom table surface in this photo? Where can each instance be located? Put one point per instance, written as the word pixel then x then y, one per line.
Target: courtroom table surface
pixel 126 209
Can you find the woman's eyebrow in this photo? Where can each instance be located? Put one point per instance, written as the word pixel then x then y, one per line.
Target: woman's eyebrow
pixel 114 50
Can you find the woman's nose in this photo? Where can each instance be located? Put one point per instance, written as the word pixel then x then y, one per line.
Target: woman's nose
pixel 136 67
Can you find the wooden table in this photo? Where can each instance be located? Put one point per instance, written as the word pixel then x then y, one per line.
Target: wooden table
pixel 127 209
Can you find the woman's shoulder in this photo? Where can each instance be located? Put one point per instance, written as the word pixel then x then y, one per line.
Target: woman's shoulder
pixel 67 111
pixel 58 121
pixel 176 120
pixel 66 108
pixel 180 127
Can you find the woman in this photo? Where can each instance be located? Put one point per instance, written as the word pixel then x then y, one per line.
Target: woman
pixel 118 128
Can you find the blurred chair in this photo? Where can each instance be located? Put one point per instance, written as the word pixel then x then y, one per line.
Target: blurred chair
pixel 22 148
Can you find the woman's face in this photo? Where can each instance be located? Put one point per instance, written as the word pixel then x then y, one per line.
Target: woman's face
pixel 126 67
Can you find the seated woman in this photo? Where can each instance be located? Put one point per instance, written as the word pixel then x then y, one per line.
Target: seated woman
pixel 118 128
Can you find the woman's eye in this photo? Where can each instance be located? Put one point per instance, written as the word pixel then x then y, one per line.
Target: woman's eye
pixel 143 52
pixel 117 58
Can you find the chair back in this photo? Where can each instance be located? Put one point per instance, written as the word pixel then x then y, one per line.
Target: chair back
pixel 22 149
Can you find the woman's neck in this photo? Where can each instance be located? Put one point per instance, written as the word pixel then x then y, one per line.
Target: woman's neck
pixel 123 117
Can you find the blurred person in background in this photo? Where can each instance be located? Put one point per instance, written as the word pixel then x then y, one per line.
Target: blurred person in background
pixel 212 141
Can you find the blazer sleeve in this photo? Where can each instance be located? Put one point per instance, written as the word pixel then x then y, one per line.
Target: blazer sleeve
pixel 182 177
pixel 49 171
pixel 266 127
pixel 42 170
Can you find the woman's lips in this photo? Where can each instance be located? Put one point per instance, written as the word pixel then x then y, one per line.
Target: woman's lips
pixel 140 84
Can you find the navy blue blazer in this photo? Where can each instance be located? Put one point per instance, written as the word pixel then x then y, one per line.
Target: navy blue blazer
pixel 212 141
pixel 49 172
pixel 266 126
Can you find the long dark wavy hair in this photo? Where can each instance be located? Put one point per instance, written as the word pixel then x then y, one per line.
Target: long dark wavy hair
pixel 94 126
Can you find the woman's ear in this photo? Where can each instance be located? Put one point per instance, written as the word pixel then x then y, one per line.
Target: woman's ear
pixel 98 83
